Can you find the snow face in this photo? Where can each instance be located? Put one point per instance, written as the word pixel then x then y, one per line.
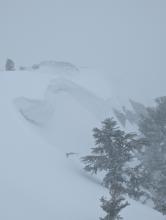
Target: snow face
pixel 39 111
pixel 35 111
pixel 37 181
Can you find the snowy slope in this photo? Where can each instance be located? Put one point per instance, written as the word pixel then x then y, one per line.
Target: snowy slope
pixel 37 181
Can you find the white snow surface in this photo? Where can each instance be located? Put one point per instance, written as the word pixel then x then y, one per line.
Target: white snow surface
pixel 37 181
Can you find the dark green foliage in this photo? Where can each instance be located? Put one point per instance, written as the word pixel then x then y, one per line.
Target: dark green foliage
pixel 130 115
pixel 139 108
pixel 10 65
pixel 134 184
pixel 113 207
pixel 153 158
pixel 133 116
pixel 114 149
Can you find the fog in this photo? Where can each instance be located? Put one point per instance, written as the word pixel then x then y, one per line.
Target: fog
pixel 111 51
pixel 125 37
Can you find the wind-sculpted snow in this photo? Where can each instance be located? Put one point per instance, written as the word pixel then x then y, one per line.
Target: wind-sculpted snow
pixel 35 111
pixel 58 67
pixel 86 98
pixel 37 180
pixel 55 67
pixel 40 111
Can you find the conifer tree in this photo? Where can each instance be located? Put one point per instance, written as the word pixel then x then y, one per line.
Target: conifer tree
pixel 139 108
pixel 114 149
pixel 10 65
pixel 153 127
pixel 120 116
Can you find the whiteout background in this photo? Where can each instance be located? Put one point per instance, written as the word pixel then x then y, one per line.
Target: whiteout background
pixel 122 45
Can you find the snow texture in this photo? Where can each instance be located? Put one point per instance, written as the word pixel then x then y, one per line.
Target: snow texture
pixel 37 181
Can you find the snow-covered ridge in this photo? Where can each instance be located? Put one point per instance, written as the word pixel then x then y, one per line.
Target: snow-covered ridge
pixel 65 66
pixel 40 111
pixel 37 180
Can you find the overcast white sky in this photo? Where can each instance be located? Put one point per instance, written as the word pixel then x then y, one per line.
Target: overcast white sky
pixel 126 36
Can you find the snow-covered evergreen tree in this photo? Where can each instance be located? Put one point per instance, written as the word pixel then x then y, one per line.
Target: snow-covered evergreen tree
pixel 113 207
pixel 134 184
pixel 130 115
pixel 114 149
pixel 153 127
pixel 10 65
pixel 139 108
pixel 120 116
